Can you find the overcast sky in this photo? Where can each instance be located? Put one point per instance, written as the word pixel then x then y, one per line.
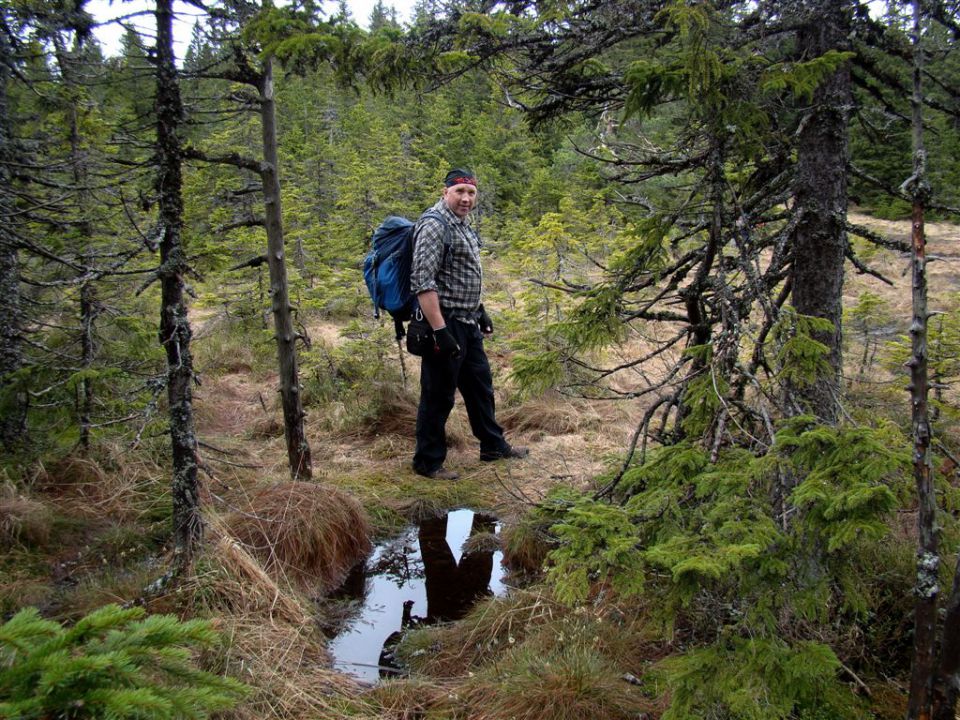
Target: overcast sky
pixel 137 13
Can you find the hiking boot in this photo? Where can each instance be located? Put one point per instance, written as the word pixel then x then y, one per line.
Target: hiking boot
pixel 510 452
pixel 441 473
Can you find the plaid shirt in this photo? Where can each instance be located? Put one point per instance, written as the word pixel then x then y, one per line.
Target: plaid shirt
pixel 459 279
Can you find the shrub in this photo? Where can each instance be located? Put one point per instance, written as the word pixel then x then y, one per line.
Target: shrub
pixel 114 663
pixel 756 679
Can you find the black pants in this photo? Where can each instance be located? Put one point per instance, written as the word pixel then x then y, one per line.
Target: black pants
pixel 440 378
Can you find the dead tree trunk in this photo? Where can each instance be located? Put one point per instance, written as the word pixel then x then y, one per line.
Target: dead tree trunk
pixel 88 290
pixel 927 588
pixel 175 332
pixel 820 192
pixel 298 450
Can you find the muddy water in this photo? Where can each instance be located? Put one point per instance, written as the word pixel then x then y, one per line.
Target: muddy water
pixel 421 577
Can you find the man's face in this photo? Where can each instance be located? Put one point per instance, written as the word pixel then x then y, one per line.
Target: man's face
pixel 460 199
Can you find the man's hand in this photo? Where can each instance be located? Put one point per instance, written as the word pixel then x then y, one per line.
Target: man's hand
pixel 446 344
pixel 486 324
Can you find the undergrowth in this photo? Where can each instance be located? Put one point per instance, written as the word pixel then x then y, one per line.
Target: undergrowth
pixel 750 586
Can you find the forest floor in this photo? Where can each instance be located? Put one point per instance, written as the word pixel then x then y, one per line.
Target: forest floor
pixel 361 438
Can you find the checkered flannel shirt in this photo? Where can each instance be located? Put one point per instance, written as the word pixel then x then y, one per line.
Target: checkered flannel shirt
pixel 459 280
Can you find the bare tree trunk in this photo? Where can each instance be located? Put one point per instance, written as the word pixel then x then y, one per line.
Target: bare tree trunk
pixel 175 330
pixel 12 398
pixel 298 450
pixel 88 290
pixel 88 316
pixel 927 589
pixel 820 192
pixel 700 328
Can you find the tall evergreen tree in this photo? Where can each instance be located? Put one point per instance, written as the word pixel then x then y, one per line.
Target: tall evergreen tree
pixel 819 240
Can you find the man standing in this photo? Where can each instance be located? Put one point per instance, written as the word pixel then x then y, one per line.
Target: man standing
pixel 446 278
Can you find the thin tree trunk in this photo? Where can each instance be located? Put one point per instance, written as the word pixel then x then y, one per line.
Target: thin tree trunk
pixel 88 316
pixel 175 330
pixel 12 399
pixel 820 192
pixel 927 588
pixel 298 450
pixel 699 324
pixel 88 291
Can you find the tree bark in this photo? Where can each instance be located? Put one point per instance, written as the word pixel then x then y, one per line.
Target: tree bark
pixel 820 195
pixel 88 290
pixel 175 332
pixel 927 588
pixel 700 325
pixel 298 450
pixel 12 398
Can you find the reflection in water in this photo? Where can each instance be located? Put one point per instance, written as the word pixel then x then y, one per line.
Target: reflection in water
pixel 453 587
pixel 421 577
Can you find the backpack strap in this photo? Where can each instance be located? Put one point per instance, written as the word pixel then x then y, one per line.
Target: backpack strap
pixel 447 244
pixel 447 233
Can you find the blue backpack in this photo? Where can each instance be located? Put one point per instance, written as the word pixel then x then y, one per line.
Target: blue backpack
pixel 386 269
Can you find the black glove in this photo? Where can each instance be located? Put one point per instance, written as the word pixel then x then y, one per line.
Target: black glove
pixel 446 344
pixel 486 324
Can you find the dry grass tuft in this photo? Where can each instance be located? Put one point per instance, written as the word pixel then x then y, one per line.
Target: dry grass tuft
pixel 550 414
pixel 525 547
pixel 236 584
pixel 570 683
pixel 71 472
pixel 496 629
pixel 270 426
pixel 287 666
pixel 421 509
pixel 411 700
pixel 396 411
pixel 271 640
pixel 23 520
pixel 87 489
pixel 396 414
pixel 493 627
pixel 482 542
pixel 308 533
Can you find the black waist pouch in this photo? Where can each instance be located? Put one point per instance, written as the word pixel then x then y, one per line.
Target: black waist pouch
pixel 420 340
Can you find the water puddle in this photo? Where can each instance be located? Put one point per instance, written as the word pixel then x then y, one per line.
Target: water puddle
pixel 421 577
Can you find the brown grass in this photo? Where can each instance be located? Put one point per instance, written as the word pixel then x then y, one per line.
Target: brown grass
pixel 490 629
pixel 23 520
pixel 525 547
pixel 305 532
pixel 270 426
pixel 569 683
pixel 71 471
pixel 230 405
pixel 287 666
pixel 397 411
pixel 550 414
pixel 231 581
pixel 271 640
pixel 83 487
pixel 531 619
pixel 413 699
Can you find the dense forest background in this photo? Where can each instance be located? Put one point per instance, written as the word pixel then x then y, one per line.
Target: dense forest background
pixel 706 253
